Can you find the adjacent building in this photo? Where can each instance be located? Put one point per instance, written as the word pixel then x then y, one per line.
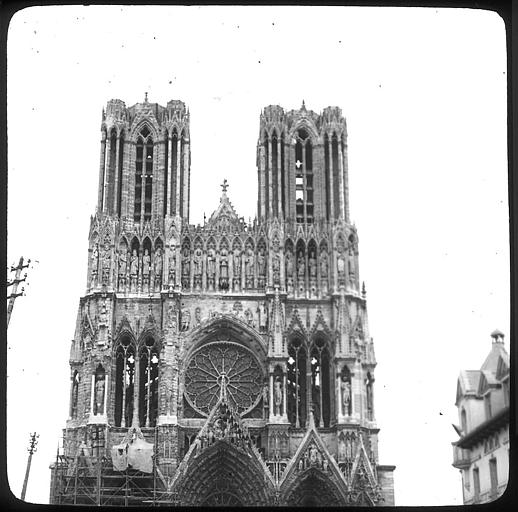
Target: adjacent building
pixel 482 451
pixel 228 363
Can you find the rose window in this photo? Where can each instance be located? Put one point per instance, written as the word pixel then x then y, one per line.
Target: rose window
pixel 218 363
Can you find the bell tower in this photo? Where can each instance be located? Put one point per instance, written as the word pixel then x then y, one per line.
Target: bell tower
pixel 144 170
pixel 302 165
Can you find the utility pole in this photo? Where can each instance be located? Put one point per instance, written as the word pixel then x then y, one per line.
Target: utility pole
pixel 32 448
pixel 14 283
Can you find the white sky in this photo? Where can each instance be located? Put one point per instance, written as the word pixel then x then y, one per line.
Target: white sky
pixel 424 95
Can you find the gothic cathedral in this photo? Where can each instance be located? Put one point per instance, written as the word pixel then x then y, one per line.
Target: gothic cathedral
pixel 228 363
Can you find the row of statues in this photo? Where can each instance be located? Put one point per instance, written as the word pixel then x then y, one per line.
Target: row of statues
pixel 145 272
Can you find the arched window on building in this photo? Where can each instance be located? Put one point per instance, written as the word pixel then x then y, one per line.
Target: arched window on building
pixel 148 383
pixel 124 382
pixel 296 383
pixel 143 176
pixel 320 388
pixel 74 395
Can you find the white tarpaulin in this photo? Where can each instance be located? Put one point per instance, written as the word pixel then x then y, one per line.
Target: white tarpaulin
pixel 140 455
pixel 120 456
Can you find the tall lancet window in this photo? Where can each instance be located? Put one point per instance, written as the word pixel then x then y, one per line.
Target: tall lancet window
pixel 335 175
pixel 320 388
pixel 303 176
pixel 143 176
pixel 119 174
pixel 296 383
pixel 124 382
pixel 148 383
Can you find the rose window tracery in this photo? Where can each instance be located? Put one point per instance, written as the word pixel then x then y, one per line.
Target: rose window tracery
pixel 223 363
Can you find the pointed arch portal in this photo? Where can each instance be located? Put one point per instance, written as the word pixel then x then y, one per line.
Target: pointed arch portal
pixel 225 475
pixel 314 489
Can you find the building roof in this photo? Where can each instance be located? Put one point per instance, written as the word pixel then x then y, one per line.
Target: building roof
pixel 497 351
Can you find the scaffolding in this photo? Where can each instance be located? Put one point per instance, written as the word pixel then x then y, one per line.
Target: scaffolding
pixel 93 480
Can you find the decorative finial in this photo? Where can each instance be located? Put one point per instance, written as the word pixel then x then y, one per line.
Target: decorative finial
pixel 145 97
pixel 224 186
pixel 364 291
pixel 498 336
pixel 303 105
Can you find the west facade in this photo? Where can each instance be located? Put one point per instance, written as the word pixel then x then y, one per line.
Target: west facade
pixel 482 451
pixel 229 363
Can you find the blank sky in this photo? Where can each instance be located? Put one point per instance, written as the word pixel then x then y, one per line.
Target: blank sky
pixel 424 95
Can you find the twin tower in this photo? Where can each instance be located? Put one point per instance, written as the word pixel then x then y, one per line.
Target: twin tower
pixel 229 363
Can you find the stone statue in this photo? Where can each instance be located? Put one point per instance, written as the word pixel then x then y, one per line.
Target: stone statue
pixel 323 263
pixel 300 265
pixel 312 454
pixel 351 265
pixel 197 261
pixel 249 262
pixel 197 316
pixel 340 264
pixel 289 263
pixel 123 262
pixel 172 266
pixel 106 263
pixel 263 316
pixel 276 263
pixel 158 262
pixel 265 395
pixel 146 263
pixel 134 263
pixel 95 259
pixel 345 388
pixel 211 263
pixel 186 319
pixel 261 262
pixel 186 262
pixel 171 317
pixel 103 316
pixel 277 395
pixel 312 263
pixel 223 264
pixel 236 262
pixel 99 395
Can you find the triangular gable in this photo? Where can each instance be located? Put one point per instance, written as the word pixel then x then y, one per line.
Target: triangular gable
pixel 224 217
pixel 312 453
pixel 320 325
pixel 234 432
pixel 364 482
pixel 124 325
pixel 296 324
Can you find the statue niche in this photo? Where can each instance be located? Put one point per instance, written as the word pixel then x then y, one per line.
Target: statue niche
pixel 157 268
pixel 223 269
pixel 99 390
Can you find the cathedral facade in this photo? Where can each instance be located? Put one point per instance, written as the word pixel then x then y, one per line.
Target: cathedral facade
pixel 228 363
